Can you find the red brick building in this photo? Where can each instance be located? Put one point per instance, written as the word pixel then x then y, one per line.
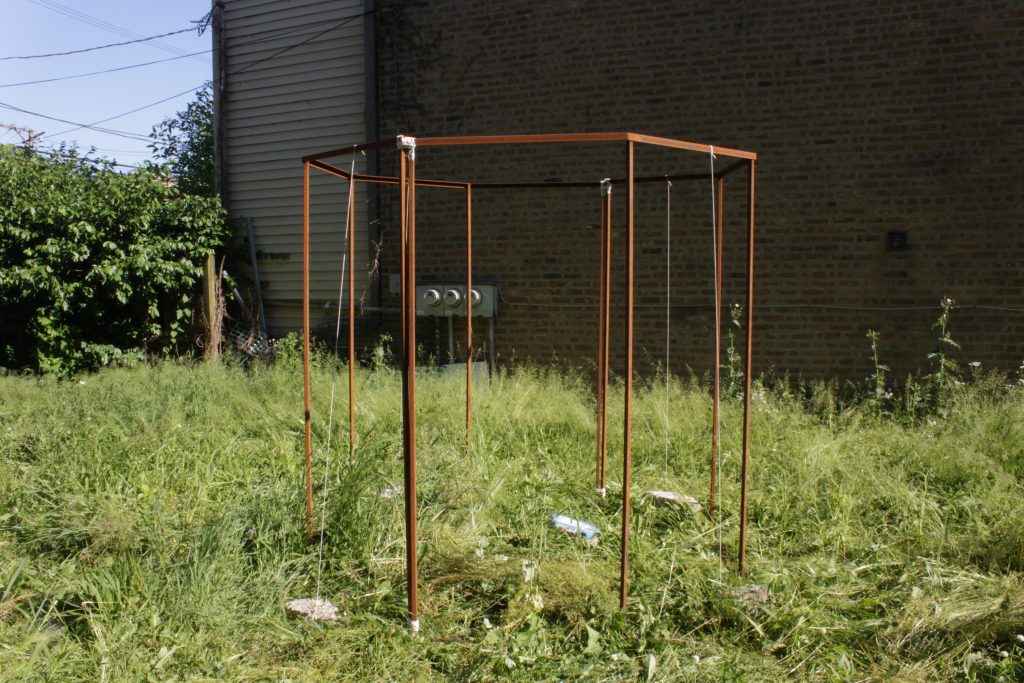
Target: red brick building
pixel 890 172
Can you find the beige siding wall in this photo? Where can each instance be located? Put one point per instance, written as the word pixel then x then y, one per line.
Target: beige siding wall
pixel 279 106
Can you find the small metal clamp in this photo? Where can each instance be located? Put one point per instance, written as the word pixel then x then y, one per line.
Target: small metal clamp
pixel 606 187
pixel 407 143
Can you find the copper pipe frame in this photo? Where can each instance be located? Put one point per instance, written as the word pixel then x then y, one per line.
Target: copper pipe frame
pixel 351 149
pixel 407 210
pixel 745 465
pixel 607 330
pixel 351 321
pixel 561 184
pixel 715 418
pixel 382 179
pixel 546 138
pixel 409 390
pixel 542 138
pixel 403 221
pixel 306 392
pixel 627 428
pixel 604 348
pixel 469 320
pixel 601 360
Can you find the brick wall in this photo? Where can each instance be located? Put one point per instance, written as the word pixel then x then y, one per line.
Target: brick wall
pixel 868 118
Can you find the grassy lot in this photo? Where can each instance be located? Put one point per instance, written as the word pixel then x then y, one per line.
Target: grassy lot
pixel 151 528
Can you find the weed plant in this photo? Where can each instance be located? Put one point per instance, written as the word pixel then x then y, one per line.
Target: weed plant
pixel 152 528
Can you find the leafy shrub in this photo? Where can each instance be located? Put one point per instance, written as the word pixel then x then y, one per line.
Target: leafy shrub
pixel 95 265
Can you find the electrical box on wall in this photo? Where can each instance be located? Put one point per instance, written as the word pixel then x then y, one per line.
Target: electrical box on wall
pixel 449 300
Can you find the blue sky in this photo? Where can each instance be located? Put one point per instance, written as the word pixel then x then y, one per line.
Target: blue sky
pixel 32 27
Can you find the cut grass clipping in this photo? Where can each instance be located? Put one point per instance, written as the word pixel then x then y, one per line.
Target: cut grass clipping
pixel 152 529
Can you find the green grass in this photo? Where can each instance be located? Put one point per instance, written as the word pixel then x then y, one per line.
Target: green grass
pixel 151 528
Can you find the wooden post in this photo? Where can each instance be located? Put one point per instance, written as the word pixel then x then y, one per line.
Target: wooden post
pixel 210 309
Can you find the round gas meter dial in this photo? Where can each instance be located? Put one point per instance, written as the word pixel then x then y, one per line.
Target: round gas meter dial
pixel 432 297
pixel 452 297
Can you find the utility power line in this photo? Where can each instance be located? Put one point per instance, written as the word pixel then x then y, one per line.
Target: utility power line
pixel 138 137
pixel 99 47
pixel 110 131
pixel 104 71
pixel 51 153
pixel 131 111
pixel 104 25
pixel 346 20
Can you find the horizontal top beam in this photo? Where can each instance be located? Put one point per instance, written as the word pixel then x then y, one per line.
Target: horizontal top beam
pixel 527 139
pixel 455 184
pixel 351 149
pixel 540 138
pixel 383 179
pixel 692 146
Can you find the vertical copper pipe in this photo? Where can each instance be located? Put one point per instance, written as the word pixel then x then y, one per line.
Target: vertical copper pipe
pixel 403 220
pixel 469 318
pixel 607 330
pixel 409 396
pixel 744 471
pixel 715 431
pixel 305 352
pixel 352 321
pixel 627 432
pixel 599 484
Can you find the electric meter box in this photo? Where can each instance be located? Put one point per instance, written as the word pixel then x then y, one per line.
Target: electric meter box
pixel 449 300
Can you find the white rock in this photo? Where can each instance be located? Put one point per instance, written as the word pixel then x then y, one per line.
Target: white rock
pixel 673 498
pixel 312 609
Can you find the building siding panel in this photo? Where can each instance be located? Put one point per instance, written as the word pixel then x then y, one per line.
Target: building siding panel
pixel 291 92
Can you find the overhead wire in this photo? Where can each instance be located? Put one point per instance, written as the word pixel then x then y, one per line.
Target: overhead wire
pixel 105 25
pixel 139 137
pixel 53 153
pixel 99 47
pixel 127 67
pixel 131 111
pixel 103 71
pixel 110 131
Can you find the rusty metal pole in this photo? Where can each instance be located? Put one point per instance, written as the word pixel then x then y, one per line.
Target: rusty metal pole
pixel 352 321
pixel 607 335
pixel 715 417
pixel 469 319
pixel 627 431
pixel 744 470
pixel 305 352
pixel 601 322
pixel 403 220
pixel 409 394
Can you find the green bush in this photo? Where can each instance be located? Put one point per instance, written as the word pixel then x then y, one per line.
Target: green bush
pixel 96 266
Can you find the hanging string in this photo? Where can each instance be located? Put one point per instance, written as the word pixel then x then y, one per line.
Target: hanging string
pixel 718 322
pixel 668 301
pixel 323 506
pixel 344 257
pixel 330 412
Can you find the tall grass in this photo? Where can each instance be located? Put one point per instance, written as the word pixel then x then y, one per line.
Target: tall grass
pixel 152 529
